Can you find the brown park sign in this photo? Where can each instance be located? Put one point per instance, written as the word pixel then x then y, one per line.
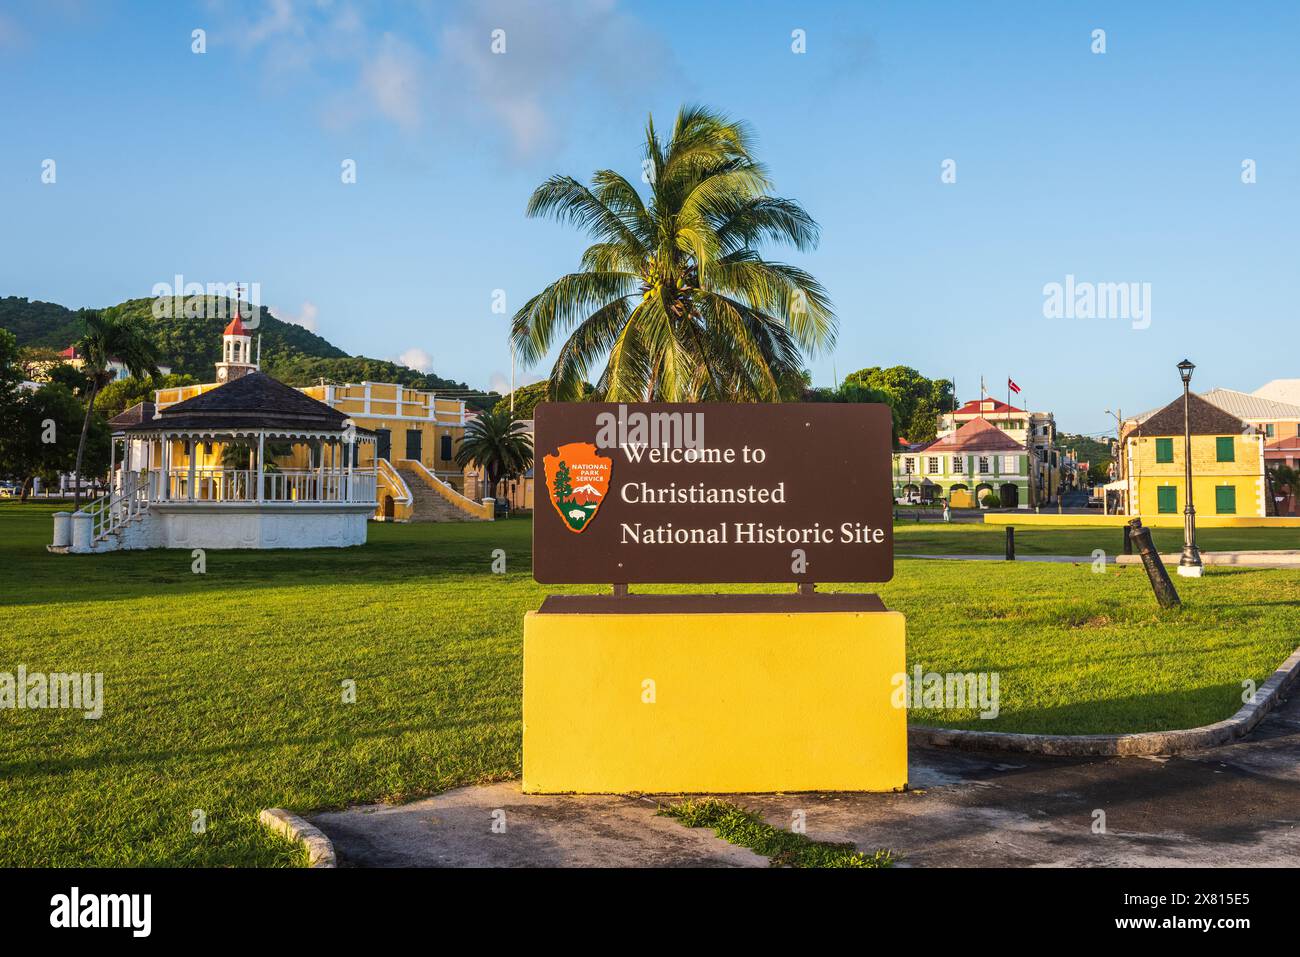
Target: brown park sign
pixel 712 492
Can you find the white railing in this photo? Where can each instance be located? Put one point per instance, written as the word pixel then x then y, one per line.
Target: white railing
pixel 126 504
pixel 282 486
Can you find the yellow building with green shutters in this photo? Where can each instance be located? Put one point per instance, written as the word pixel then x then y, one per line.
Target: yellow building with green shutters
pixel 1227 463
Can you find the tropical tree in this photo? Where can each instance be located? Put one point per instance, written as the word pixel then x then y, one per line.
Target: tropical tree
pixel 1286 479
pixel 498 443
pixel 673 295
pixel 123 337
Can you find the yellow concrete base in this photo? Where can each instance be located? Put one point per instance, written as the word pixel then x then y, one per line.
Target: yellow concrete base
pixel 721 703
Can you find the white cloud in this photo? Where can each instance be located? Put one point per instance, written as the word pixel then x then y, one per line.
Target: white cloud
pixel 500 381
pixel 438 65
pixel 393 80
pixel 416 359
pixel 306 315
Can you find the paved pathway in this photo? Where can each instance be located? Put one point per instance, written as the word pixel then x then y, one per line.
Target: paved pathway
pixel 1271 559
pixel 1238 805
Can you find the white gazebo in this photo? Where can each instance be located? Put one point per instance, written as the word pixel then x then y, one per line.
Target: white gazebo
pixel 203 473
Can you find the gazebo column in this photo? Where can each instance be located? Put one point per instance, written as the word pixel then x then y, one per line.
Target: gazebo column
pixel 189 445
pixel 320 470
pixel 112 465
pixel 261 463
pixel 351 456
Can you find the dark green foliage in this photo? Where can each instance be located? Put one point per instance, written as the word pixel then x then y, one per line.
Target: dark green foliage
pixel 917 401
pixel 191 346
pixel 116 397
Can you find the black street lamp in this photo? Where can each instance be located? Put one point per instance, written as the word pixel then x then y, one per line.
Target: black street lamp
pixel 1189 566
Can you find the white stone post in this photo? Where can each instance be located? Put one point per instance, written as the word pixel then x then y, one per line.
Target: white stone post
pixel 81 531
pixel 62 529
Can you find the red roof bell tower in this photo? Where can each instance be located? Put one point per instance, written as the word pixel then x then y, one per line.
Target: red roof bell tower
pixel 236 348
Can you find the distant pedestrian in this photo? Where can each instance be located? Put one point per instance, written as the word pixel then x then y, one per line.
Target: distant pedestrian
pixel 947 514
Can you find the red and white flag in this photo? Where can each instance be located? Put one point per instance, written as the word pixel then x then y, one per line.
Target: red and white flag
pixel 1012 385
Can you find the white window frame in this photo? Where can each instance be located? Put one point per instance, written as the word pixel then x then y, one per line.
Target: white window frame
pixel 1010 464
pixel 982 465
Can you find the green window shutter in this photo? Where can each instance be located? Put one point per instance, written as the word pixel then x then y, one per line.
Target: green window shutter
pixel 1225 500
pixel 1166 499
pixel 1225 448
pixel 1164 450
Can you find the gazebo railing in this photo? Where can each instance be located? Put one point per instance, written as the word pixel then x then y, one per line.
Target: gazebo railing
pixel 281 486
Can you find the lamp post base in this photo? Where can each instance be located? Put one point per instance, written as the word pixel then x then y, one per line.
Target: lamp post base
pixel 1191 571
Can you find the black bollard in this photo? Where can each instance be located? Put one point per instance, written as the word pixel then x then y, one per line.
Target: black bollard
pixel 1128 542
pixel 1011 543
pixel 1160 583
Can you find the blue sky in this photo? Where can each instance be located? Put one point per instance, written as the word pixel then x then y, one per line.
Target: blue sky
pixel 1124 166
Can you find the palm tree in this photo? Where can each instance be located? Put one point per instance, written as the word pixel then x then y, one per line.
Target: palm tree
pixel 673 294
pixel 108 337
pixel 499 444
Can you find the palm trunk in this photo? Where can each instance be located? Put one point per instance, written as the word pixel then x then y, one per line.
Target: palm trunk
pixel 81 445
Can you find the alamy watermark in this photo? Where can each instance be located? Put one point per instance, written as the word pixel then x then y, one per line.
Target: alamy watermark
pixel 953 691
pixel 36 691
pixel 179 299
pixel 653 430
pixel 1129 301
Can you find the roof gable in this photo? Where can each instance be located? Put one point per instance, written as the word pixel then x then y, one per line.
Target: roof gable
pixel 140 412
pixel 977 435
pixel 1204 418
pixel 988 404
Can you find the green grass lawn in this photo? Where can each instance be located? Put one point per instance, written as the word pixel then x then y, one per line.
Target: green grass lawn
pixel 936 538
pixel 223 690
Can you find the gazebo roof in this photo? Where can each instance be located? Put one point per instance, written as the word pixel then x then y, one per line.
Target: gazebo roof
pixel 252 402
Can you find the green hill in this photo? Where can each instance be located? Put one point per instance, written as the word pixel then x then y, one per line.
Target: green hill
pixel 192 346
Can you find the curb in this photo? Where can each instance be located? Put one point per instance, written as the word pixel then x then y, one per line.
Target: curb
pixel 320 852
pixel 1142 743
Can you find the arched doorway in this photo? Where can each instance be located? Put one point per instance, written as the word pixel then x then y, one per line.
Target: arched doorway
pixel 1010 494
pixel 388 509
pixel 980 491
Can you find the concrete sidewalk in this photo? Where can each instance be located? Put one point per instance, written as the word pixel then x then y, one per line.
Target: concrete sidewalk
pixel 1237 806
pixel 1269 559
pixel 456 829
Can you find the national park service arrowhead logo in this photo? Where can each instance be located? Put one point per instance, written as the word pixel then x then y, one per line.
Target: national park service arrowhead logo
pixel 577 479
